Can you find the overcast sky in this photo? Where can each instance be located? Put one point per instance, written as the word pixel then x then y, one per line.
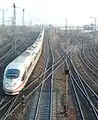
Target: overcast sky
pixel 53 11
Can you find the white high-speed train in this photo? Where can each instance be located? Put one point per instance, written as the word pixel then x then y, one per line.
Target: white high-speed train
pixel 16 73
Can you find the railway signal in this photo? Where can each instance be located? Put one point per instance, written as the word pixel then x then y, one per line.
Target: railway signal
pixel 66 102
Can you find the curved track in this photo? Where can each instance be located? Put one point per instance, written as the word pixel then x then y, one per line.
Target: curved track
pixel 13 103
pixel 83 94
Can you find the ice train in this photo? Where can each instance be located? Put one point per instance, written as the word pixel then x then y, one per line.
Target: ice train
pixel 17 73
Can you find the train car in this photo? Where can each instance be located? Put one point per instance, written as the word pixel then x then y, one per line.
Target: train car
pixel 17 73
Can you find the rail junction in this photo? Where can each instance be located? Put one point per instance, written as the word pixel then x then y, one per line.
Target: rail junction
pixel 63 85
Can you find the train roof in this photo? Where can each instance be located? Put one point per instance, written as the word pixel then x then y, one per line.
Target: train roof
pixel 20 61
pixel 15 66
pixel 22 57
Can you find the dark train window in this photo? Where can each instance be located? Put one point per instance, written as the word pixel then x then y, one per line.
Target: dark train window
pixel 12 73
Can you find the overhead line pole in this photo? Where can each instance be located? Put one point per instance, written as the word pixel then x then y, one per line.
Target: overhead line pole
pixel 3 23
pixel 66 25
pixel 66 85
pixel 23 17
pixel 94 29
pixel 3 19
pixel 14 25
pixel 23 28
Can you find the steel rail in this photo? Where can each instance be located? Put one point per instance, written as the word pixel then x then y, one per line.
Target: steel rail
pixel 9 109
pixel 86 62
pixel 85 93
pixel 55 64
pixel 92 57
pixel 89 88
pixel 42 85
pixel 84 80
pixel 39 77
pixel 26 97
pixel 84 54
pixel 40 94
pixel 51 112
pixel 95 111
pixel 93 108
pixel 77 98
pixel 88 69
pixel 45 104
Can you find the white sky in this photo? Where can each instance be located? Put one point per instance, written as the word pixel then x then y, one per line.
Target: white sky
pixel 53 11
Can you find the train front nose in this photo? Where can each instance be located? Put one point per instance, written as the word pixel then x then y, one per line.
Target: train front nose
pixel 11 78
pixel 9 86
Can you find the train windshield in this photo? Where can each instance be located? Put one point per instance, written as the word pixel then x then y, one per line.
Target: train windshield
pixel 12 73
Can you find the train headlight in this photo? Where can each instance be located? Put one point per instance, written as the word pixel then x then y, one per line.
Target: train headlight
pixel 14 85
pixel 6 84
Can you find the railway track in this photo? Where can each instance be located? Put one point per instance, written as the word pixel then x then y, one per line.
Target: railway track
pixel 89 68
pixel 9 56
pixel 92 95
pixel 4 58
pixel 41 105
pixel 87 65
pixel 27 92
pixel 38 84
pixel 44 109
pixel 91 56
pixel 60 87
pixel 83 94
pixel 85 70
pixel 4 99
